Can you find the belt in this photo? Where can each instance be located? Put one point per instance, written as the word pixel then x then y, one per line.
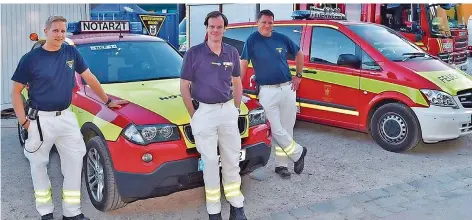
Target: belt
pixel 52 113
pixel 278 85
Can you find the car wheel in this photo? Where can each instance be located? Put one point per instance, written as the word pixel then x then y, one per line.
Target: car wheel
pixel 99 177
pixel 395 128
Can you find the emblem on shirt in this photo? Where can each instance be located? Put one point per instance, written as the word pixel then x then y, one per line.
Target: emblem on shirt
pixel 70 63
pixel 227 64
pixel 215 63
pixel 279 49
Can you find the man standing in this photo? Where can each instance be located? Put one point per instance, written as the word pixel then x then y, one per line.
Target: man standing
pixel 49 71
pixel 267 51
pixel 208 72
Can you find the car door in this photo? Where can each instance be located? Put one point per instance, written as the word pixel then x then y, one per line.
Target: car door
pixel 236 37
pixel 329 92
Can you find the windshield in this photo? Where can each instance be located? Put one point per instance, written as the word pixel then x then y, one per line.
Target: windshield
pixel 115 62
pixel 454 19
pixel 438 20
pixel 393 46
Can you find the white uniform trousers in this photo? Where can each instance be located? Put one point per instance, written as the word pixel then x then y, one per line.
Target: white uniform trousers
pixel 216 126
pixel 280 106
pixel 63 131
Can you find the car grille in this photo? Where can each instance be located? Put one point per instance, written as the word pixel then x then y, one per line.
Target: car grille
pixel 465 97
pixel 466 128
pixel 445 57
pixel 242 125
pixel 460 43
pixel 460 58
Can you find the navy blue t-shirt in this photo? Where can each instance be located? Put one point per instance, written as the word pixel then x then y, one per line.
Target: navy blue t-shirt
pixel 50 76
pixel 268 56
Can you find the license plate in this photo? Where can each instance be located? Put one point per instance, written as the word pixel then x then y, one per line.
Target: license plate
pixel 242 156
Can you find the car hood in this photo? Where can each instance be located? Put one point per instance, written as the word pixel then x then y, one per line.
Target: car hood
pixel 159 96
pixel 449 79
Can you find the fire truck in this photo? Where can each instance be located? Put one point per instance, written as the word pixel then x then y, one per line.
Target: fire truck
pixel 367 77
pixel 424 24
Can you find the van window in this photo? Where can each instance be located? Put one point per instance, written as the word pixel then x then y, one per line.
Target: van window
pixel 368 63
pixel 388 42
pixel 327 44
pixel 236 37
pixel 292 32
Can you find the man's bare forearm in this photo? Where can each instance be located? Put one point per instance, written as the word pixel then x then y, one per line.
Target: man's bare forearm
pixel 244 64
pixel 185 91
pixel 299 61
pixel 18 106
pixel 237 91
pixel 97 88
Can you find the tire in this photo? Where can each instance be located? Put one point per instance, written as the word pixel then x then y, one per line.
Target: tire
pixel 110 198
pixel 395 128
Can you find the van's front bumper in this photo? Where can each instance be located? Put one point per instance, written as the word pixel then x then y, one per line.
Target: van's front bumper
pixel 443 123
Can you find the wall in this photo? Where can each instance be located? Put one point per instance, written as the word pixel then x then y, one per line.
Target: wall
pixel 17 22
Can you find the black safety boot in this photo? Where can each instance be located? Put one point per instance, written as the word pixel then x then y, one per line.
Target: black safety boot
pixel 77 217
pixel 283 172
pixel 298 166
pixel 237 213
pixel 47 217
pixel 215 216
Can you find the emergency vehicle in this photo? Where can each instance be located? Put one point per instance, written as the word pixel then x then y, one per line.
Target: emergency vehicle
pixel 146 148
pixel 424 24
pixel 367 77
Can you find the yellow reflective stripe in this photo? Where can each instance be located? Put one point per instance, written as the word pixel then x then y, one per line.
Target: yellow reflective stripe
pixel 42 193
pixel 213 195
pixel 72 193
pixel 43 196
pixel 288 151
pixel 72 200
pixel 233 194
pixel 44 200
pixel 291 148
pixel 71 196
pixel 232 189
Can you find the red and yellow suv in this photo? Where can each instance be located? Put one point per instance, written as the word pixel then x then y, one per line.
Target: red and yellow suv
pixel 146 148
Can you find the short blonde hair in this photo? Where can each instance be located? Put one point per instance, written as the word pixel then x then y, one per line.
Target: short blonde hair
pixel 53 19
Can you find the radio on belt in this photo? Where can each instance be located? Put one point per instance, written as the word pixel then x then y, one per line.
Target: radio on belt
pixel 114 26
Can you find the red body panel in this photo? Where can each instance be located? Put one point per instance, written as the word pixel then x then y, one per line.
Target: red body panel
pixel 126 156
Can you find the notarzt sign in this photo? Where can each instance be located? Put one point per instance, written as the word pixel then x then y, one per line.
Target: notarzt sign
pixel 104 26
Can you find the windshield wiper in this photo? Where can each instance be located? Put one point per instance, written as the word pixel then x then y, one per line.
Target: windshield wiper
pixel 413 55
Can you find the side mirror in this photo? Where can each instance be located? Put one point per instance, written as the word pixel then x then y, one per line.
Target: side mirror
pixel 349 60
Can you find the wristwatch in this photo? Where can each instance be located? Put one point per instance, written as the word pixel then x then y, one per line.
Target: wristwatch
pixel 108 102
pixel 299 75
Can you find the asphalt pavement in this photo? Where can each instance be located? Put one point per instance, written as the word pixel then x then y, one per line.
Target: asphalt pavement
pixel 346 176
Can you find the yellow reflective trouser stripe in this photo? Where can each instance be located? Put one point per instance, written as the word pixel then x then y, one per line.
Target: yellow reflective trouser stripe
pixel 232 189
pixel 288 151
pixel 213 195
pixel 71 196
pixel 43 196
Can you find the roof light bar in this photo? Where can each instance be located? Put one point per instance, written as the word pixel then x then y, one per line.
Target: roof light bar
pixel 319 14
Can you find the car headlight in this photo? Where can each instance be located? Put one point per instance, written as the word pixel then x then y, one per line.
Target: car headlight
pixel 439 98
pixel 146 134
pixel 257 117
